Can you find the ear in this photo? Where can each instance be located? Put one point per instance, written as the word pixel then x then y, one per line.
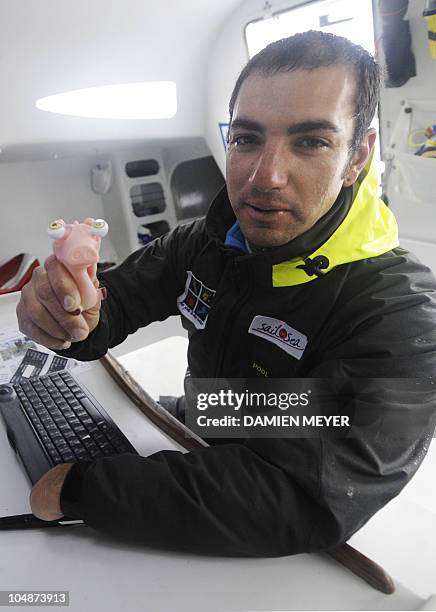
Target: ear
pixel 360 158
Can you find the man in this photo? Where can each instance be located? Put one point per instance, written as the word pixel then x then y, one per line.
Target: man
pixel 301 239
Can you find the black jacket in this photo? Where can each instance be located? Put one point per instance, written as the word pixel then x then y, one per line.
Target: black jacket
pixel 355 304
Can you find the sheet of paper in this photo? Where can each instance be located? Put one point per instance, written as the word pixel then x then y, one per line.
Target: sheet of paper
pixel 21 357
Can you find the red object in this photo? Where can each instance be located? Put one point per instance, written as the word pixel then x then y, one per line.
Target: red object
pixel 16 272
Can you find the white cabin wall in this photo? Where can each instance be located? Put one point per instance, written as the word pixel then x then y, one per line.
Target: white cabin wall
pixel 35 193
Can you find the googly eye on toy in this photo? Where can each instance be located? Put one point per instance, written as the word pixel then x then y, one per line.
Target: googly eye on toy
pixel 100 228
pixel 56 229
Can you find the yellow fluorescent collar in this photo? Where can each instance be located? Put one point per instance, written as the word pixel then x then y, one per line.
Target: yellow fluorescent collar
pixel 368 230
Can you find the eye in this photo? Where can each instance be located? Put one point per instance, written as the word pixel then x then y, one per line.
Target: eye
pixel 311 144
pixel 243 140
pixel 100 228
pixel 56 229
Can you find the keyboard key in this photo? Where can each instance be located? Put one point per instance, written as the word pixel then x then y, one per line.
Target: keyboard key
pixel 45 439
pixel 91 409
pixel 51 449
pixel 75 444
pixel 40 429
pixel 83 454
pixel 62 447
pixel 62 404
pixel 108 450
pixel 68 456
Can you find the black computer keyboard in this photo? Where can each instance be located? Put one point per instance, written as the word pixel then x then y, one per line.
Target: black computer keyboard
pixel 65 421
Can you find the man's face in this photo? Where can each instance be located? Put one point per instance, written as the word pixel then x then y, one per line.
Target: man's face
pixel 288 150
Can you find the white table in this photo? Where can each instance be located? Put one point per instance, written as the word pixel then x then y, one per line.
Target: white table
pixel 102 573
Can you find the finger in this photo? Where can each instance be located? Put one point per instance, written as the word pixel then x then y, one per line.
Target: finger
pixel 45 495
pixel 41 308
pixel 30 311
pixel 62 284
pixel 33 331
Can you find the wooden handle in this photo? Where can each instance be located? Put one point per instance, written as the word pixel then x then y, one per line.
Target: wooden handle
pixel 152 410
pixel 363 567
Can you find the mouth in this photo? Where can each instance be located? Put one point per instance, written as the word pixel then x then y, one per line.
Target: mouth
pixel 264 213
pixel 265 209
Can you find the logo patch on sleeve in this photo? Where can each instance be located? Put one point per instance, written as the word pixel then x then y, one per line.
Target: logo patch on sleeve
pixel 195 301
pixel 279 333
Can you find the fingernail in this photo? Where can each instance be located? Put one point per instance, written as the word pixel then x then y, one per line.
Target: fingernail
pixel 69 302
pixel 65 345
pixel 79 334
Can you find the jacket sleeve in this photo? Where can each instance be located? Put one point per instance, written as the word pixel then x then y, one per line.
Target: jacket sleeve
pixel 272 497
pixel 142 289
pixel 261 498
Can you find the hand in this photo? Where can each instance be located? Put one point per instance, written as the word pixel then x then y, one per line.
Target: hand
pixel 45 495
pixel 49 309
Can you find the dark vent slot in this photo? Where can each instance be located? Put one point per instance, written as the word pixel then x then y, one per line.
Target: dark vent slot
pixel 142 167
pixel 147 199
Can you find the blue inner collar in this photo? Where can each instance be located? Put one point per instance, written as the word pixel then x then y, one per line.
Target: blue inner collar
pixel 235 238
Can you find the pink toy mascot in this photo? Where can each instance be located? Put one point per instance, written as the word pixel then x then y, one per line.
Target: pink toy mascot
pixel 77 246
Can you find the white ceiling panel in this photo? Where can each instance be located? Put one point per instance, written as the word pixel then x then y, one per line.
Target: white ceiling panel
pixel 51 46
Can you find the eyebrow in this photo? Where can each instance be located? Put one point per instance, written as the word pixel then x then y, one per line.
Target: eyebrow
pixel 314 125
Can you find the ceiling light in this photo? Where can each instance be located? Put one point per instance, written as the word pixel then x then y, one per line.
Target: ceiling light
pixel 148 100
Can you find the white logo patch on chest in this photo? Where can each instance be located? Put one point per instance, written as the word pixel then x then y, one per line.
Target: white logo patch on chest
pixel 195 301
pixel 279 333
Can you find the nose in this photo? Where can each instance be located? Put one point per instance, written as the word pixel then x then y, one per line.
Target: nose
pixel 83 255
pixel 271 168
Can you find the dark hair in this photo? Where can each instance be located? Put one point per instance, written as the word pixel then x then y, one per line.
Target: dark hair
pixel 314 49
